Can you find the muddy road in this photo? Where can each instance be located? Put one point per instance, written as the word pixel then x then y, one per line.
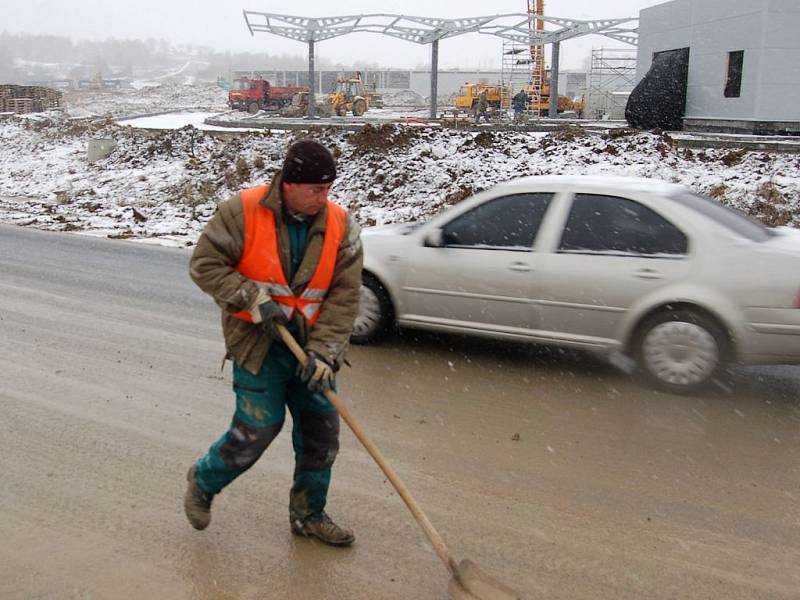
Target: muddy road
pixel 553 471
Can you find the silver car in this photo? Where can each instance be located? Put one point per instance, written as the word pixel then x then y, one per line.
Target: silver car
pixel 675 281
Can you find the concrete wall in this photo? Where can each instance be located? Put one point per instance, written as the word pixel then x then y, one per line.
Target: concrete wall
pixel 767 31
pixel 663 27
pixel 779 85
pixel 451 81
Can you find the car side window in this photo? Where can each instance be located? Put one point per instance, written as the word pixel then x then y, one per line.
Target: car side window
pixel 612 225
pixel 505 223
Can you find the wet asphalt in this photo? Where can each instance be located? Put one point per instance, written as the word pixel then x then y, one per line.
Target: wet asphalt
pixel 554 471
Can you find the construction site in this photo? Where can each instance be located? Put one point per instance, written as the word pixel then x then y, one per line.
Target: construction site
pixel 530 90
pixel 429 118
pixel 458 99
pixel 550 461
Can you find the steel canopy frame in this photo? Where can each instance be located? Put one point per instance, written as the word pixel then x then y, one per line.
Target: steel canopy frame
pixel 515 27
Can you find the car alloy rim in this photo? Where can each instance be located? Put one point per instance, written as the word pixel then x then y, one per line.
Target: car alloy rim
pixel 369 312
pixel 680 353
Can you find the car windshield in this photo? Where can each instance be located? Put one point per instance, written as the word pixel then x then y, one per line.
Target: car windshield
pixel 729 218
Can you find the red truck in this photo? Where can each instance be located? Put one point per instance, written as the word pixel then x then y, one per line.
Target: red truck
pixel 253 95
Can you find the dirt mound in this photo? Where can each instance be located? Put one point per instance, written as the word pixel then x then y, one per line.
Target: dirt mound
pixel 568 133
pixel 620 132
pixel 564 135
pixel 80 127
pixel 380 139
pixel 462 193
pixel 484 139
pixel 771 206
pixel 734 157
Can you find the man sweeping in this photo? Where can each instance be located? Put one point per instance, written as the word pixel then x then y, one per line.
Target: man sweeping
pixel 281 254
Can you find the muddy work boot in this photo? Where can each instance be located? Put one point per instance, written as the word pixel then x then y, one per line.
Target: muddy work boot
pixel 197 503
pixel 324 529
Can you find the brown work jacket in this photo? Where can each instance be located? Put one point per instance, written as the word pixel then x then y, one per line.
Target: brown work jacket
pixel 213 269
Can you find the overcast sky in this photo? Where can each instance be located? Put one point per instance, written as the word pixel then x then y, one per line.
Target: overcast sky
pixel 219 24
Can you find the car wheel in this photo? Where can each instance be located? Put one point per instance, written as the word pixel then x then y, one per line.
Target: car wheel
pixel 681 351
pixel 375 314
pixel 252 108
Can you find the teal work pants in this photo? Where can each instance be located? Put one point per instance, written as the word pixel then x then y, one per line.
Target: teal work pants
pixel 261 403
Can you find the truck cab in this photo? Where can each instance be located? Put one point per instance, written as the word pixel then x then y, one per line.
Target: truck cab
pixel 248 94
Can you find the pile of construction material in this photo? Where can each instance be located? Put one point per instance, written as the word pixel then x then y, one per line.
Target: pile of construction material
pixel 21 99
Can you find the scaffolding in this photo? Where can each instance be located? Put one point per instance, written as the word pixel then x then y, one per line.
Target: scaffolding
pixel 611 80
pixel 516 69
pixel 522 66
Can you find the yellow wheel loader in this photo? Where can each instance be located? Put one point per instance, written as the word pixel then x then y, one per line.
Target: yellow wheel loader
pixel 349 96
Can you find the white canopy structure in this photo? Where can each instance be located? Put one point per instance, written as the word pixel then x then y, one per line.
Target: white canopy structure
pixel 517 27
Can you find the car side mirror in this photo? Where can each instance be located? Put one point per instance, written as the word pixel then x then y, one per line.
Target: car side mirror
pixel 433 239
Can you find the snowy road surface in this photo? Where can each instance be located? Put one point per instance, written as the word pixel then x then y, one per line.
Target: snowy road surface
pixel 554 472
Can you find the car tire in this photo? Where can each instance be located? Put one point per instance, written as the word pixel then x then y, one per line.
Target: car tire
pixel 375 314
pixel 681 350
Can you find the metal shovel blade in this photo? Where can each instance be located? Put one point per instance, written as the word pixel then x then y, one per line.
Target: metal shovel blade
pixel 472 583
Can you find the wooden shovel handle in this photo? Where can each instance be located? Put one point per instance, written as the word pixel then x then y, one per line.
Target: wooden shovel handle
pixel 436 540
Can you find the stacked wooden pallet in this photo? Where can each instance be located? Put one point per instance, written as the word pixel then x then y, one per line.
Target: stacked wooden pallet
pixel 18 105
pixel 28 98
pixel 5 93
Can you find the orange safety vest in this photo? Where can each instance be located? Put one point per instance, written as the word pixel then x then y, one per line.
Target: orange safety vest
pixel 261 261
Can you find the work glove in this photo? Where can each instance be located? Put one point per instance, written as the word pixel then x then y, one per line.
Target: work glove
pixel 266 312
pixel 271 314
pixel 317 374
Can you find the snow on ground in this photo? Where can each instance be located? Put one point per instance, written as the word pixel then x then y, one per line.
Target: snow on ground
pixel 162 187
pixel 145 97
pixel 177 120
pixel 373 114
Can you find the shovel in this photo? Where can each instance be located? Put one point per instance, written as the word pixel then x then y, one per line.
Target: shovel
pixel 468 581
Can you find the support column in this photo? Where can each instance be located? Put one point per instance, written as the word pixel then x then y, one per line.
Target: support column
pixel 554 59
pixel 434 76
pixel 312 83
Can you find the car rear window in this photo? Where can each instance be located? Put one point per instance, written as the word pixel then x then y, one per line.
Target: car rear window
pixel 619 226
pixel 732 219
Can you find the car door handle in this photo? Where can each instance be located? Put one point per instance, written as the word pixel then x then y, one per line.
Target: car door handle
pixel 648 274
pixel 521 267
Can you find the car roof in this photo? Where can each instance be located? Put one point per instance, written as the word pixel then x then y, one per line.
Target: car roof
pixel 610 183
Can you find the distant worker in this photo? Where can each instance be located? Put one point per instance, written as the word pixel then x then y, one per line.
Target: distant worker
pixel 281 254
pixel 482 106
pixel 520 103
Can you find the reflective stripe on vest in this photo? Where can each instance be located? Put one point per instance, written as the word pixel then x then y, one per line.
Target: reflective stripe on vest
pixel 261 261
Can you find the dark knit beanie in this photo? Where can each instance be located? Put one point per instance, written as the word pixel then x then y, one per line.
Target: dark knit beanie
pixel 308 162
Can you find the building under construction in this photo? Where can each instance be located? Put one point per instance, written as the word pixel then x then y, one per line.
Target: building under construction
pixel 734 65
